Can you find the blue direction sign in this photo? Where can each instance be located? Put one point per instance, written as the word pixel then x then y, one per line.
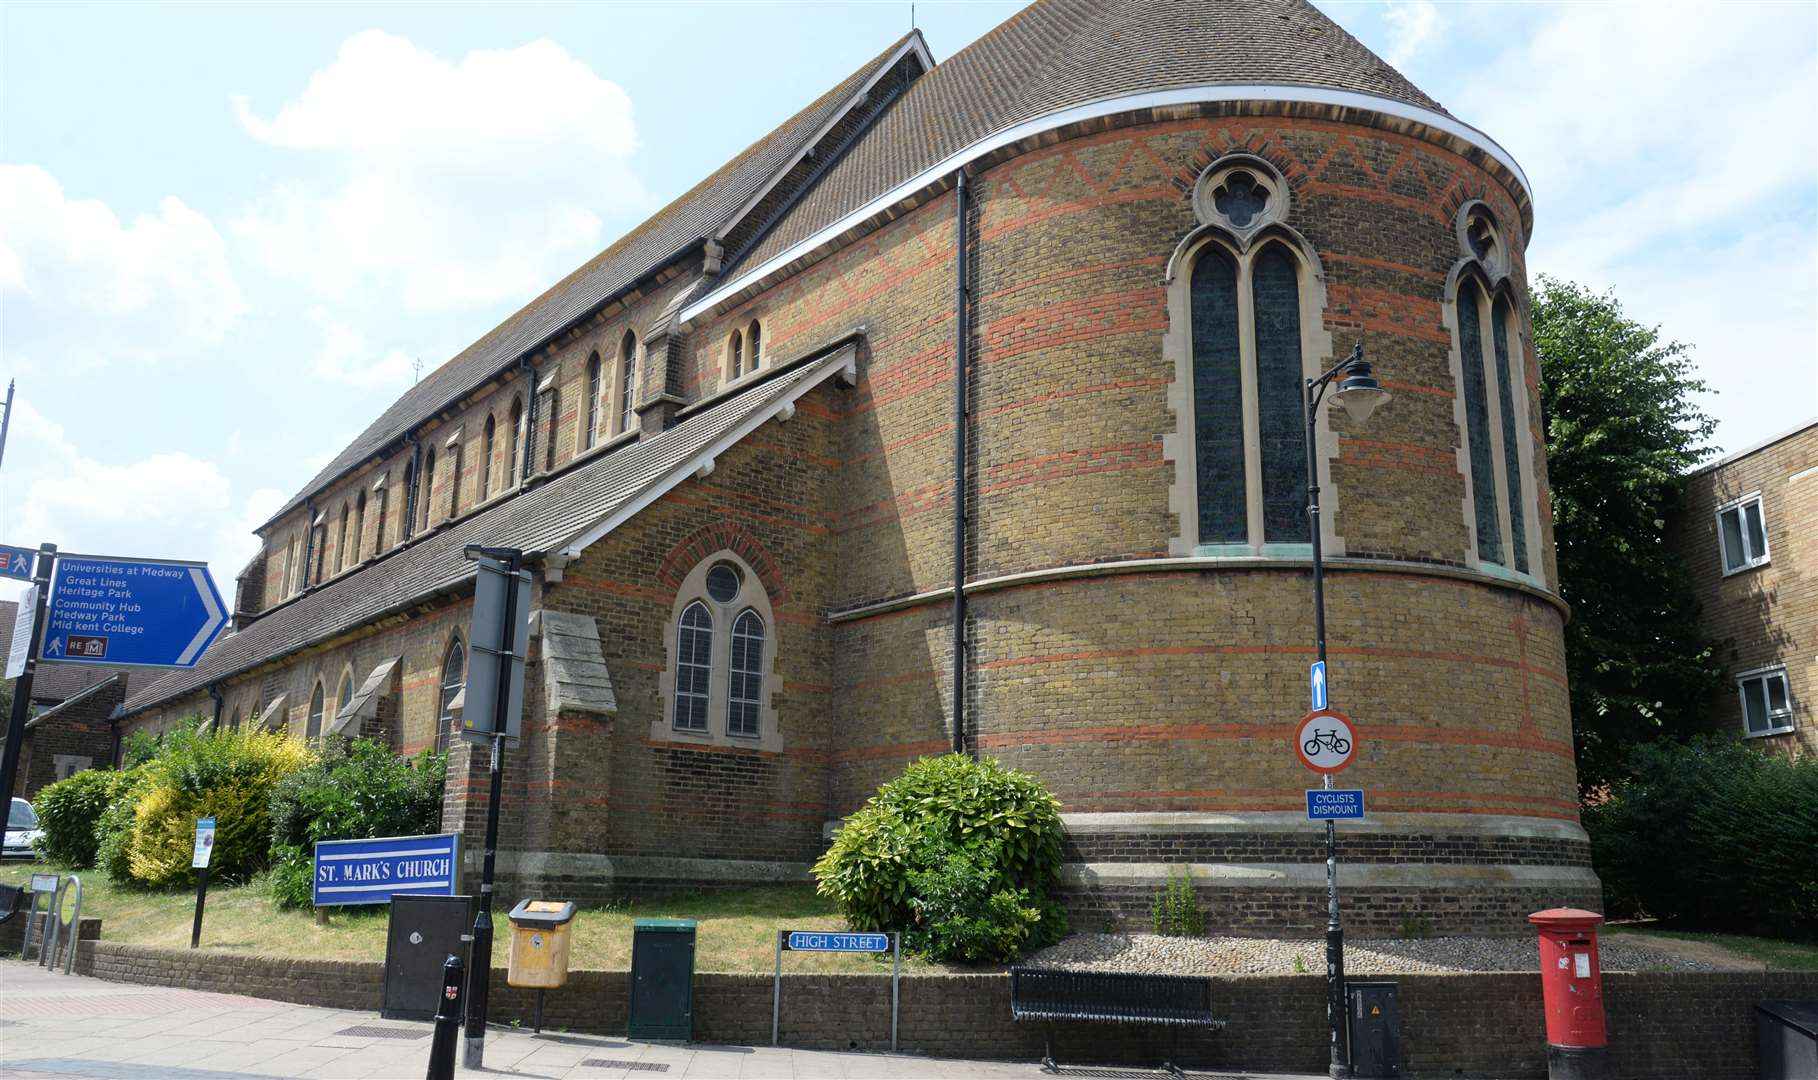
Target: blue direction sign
pixel 16 562
pixel 819 941
pixel 1317 680
pixel 1335 805
pixel 373 871
pixel 131 611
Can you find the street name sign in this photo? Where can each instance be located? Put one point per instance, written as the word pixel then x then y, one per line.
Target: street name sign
pixel 1325 741
pixel 373 871
pixel 819 941
pixel 16 562
pixel 144 612
pixel 22 633
pixel 1317 682
pixel 205 844
pixel 1335 804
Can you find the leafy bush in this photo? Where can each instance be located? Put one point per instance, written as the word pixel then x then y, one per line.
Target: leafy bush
pixel 114 829
pixel 224 775
pixel 1175 911
pixel 353 791
pixel 68 812
pixel 957 854
pixel 1697 818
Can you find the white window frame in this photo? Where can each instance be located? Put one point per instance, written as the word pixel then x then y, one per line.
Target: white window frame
pixel 1762 675
pixel 1752 559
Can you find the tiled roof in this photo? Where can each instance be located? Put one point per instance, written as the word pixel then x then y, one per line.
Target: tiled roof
pixel 550 514
pixel 1059 53
pixel 699 213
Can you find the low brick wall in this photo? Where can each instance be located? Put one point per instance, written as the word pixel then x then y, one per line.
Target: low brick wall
pixel 1662 1027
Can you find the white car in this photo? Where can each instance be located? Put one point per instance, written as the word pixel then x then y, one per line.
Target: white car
pixel 21 830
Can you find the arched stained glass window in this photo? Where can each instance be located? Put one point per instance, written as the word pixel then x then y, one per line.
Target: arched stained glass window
pixel 694 667
pixel 1218 399
pixel 1281 420
pixel 454 677
pixel 1500 316
pixel 314 727
pixel 745 671
pixel 594 388
pixel 1477 422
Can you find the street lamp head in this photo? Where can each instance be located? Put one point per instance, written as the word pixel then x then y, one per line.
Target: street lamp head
pixel 1358 391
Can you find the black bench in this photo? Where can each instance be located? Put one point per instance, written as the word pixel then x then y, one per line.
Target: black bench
pixel 12 900
pixel 1110 997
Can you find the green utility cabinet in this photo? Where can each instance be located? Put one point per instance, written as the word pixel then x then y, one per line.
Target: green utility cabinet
pixel 662 979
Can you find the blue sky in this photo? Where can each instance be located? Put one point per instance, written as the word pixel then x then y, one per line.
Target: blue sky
pixel 227 233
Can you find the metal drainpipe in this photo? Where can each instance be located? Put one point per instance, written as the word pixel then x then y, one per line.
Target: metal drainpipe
pixel 961 301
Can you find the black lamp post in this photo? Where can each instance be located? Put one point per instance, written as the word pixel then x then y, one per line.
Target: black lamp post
pixel 1360 394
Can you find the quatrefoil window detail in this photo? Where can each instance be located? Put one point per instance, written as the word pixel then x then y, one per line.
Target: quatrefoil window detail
pixel 1481 236
pixel 1240 198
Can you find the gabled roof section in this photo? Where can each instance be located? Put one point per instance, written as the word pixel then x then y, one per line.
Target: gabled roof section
pixel 711 208
pixel 1057 55
pixel 569 512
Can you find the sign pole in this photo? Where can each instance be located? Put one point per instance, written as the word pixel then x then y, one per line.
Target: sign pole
pixel 22 690
pixel 776 991
pixel 481 972
pixel 195 930
pixel 199 860
pixel 1335 936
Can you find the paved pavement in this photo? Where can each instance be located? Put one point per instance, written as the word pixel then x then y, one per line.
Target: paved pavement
pixel 53 1025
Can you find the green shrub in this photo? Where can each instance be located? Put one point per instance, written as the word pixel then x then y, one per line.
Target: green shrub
pixel 114 829
pixel 959 855
pixel 68 812
pixel 225 775
pixel 1175 910
pixel 353 791
pixel 1696 819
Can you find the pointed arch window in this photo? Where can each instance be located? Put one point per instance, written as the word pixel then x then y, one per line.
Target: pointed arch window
pixel 411 498
pixel 314 727
pixel 488 436
pixel 555 426
pixel 1248 380
pixel 594 386
pixel 745 674
pixel 344 695
pixel 341 543
pixel 456 466
pixel 514 442
pixel 735 355
pixel 628 381
pixel 382 490
pixel 290 566
pixel 428 488
pixel 693 668
pixel 754 345
pixel 454 680
pixel 359 527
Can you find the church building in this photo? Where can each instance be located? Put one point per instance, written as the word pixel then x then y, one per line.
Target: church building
pixel 1035 321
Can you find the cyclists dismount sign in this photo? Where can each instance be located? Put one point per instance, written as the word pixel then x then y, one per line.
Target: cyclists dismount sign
pixel 1325 741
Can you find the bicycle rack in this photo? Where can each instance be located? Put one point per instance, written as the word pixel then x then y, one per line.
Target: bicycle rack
pixel 47 955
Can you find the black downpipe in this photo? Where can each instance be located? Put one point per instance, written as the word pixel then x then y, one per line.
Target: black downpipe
pixel 961 304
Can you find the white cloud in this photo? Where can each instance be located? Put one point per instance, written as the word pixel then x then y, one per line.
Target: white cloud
pixel 346 357
pixel 162 505
pixel 1414 23
pixel 81 289
pixel 457 183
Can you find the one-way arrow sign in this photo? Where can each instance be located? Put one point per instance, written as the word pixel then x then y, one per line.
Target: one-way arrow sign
pixel 142 612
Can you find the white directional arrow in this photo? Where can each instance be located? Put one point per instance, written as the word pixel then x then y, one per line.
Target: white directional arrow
pixel 215 616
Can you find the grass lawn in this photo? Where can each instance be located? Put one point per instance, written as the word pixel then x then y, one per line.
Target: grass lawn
pixel 1776 953
pixel 737 929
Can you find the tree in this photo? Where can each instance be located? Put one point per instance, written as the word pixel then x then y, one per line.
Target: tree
pixel 1622 432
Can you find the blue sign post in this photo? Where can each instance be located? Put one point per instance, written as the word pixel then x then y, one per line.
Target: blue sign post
pixel 817 941
pixel 1317 681
pixel 373 871
pixel 16 562
pixel 1335 804
pixel 141 612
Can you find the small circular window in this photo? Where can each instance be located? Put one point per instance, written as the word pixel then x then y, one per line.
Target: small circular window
pixel 723 581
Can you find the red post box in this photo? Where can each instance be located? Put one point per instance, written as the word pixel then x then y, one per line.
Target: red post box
pixel 1571 982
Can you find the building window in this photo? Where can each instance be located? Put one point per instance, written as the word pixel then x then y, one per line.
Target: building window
pixel 408 510
pixel 455 466
pixel 555 422
pixel 1492 399
pixel 754 345
pixel 594 386
pixel 716 685
pixel 735 355
pixel 428 488
pixel 454 678
pixel 745 684
pixel 487 436
pixel 628 381
pixel 693 667
pixel 1742 533
pixel 1767 709
pixel 320 543
pixel 1248 384
pixel 314 727
pixel 514 441
pixel 291 566
pixel 341 544
pixel 359 526
pixel 344 695
pixel 383 488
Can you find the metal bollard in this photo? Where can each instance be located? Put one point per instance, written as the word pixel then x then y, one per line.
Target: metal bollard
pixel 448 1022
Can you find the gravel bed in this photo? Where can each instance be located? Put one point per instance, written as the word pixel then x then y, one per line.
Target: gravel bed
pixel 1156 955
